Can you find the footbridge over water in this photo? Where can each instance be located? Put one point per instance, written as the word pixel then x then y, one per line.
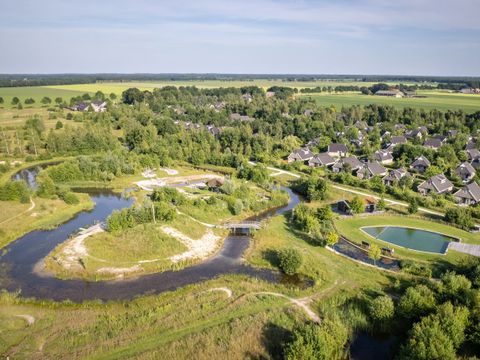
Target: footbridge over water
pixel 242 227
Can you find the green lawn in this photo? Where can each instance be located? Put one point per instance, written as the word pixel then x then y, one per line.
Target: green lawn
pixel 435 100
pixel 350 228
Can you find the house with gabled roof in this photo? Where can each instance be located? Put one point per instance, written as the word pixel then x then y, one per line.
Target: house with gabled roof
pixel 433 143
pixel 398 140
pixel 370 170
pixel 420 164
pixel 438 184
pixel 322 159
pixel 337 150
pixel 473 154
pixel 465 171
pixel 468 195
pixel 384 157
pixel 303 154
pixel 98 105
pixel 350 161
pixel 394 176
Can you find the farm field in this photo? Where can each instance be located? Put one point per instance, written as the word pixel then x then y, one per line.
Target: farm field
pixel 435 100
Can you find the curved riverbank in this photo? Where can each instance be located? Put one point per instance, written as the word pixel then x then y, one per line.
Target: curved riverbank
pixel 22 255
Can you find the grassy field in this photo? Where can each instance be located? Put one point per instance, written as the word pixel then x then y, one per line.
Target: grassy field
pixel 16 220
pixel 434 100
pixel 350 227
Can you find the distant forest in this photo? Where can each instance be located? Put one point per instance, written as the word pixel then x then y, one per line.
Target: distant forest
pixel 15 80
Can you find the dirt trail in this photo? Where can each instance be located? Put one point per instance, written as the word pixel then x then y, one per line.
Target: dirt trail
pixel 150 184
pixel 223 289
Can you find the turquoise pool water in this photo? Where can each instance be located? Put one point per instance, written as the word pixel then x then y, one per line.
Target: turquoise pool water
pixel 415 239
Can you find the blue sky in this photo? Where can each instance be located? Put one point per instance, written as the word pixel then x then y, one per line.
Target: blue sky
pixel 418 37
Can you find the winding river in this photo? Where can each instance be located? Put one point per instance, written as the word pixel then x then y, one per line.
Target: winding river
pixel 20 258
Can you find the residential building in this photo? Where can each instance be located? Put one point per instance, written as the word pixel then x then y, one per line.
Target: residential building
pixel 433 143
pixel 98 105
pixel 468 195
pixel 337 150
pixel 303 154
pixel 370 170
pixel 350 161
pixel 420 164
pixel 465 171
pixel 322 159
pixel 438 184
pixel 394 176
pixel 384 157
pixel 390 93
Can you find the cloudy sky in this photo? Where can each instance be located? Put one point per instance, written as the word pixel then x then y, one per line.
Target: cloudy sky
pixel 424 37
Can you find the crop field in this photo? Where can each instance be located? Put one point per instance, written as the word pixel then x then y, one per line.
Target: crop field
pixel 434 100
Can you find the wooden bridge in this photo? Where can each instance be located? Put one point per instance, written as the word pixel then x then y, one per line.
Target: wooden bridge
pixel 243 227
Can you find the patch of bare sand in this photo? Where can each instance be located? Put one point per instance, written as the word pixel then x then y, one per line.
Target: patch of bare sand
pixel 197 249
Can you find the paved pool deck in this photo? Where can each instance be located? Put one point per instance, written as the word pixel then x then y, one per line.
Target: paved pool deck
pixel 465 248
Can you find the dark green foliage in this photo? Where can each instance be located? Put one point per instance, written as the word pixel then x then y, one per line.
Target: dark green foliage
pixel 290 260
pixel 416 302
pixel 313 188
pixel 381 309
pixel 132 95
pixel 357 205
pixel 58 125
pixel 168 195
pixel 127 218
pixel 258 174
pixel 15 190
pixel 415 268
pixel 459 216
pixel 318 342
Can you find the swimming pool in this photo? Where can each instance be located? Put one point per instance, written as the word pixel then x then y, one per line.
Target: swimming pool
pixel 410 238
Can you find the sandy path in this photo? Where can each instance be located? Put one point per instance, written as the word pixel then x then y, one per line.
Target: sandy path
pixel 200 248
pixel 170 171
pixel 223 289
pixel 28 318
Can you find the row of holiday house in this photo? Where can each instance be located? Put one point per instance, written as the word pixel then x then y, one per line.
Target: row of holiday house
pixel 337 159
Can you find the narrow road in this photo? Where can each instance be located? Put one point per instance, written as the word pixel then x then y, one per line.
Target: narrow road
pixel 32 206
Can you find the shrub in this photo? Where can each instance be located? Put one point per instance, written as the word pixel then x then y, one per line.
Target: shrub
pixel 290 260
pixel 381 309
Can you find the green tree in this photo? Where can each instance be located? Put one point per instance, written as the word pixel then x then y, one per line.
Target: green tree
pixel 332 238
pixel 381 309
pixel 112 96
pixel 412 206
pixel 356 205
pixel 46 100
pixel 374 253
pixel 58 125
pixel 58 100
pixel 318 342
pixel 1 100
pixel 290 260
pixel 15 100
pixel 417 301
pixel 29 101
pixel 428 341
pixel 381 205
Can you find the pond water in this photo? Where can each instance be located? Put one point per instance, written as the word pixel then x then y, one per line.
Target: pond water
pixel 20 258
pixel 410 238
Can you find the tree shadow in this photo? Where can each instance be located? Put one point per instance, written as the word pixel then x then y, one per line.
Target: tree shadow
pixel 274 338
pixel 271 256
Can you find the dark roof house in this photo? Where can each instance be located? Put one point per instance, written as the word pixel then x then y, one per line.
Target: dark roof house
pixel 465 171
pixel 303 154
pixel 394 176
pixel 433 144
pixel 370 170
pixel 322 159
pixel 337 150
pixel 438 184
pixel 420 164
pixel 468 195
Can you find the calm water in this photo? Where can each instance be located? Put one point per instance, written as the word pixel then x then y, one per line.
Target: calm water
pixel 20 257
pixel 415 239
